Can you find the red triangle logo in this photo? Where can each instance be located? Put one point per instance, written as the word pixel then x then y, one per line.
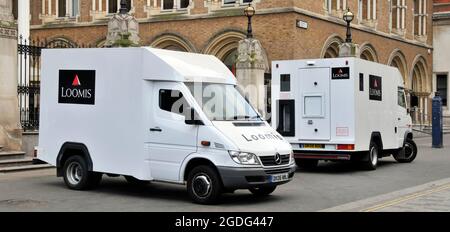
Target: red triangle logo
pixel 375 84
pixel 76 81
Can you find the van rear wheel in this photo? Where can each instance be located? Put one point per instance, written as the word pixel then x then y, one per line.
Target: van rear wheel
pixel 204 185
pixel 372 157
pixel 307 163
pixel 410 152
pixel 262 191
pixel 76 174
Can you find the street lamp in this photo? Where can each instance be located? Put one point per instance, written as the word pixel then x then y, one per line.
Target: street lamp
pixel 123 7
pixel 249 12
pixel 348 17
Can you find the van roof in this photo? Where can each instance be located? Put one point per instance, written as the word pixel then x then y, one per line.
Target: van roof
pixel 155 64
pixel 184 66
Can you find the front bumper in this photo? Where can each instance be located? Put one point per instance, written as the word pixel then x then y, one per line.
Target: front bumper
pixel 244 178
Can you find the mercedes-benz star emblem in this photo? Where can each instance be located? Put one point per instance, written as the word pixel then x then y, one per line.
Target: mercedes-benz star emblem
pixel 277 158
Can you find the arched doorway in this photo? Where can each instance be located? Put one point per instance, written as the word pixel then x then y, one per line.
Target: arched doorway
pixel 331 46
pixel 173 42
pixel 420 91
pixel 367 52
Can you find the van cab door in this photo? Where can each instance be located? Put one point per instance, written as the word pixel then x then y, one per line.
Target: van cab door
pixel 402 116
pixel 170 139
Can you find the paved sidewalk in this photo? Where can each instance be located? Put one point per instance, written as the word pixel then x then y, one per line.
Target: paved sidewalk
pixel 430 197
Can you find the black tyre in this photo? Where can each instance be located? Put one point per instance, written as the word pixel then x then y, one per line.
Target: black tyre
pixel 307 163
pixel 76 174
pixel 204 185
pixel 372 157
pixel 262 191
pixel 136 182
pixel 408 153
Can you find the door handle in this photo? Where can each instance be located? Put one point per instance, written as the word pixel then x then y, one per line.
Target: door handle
pixel 156 129
pixel 399 119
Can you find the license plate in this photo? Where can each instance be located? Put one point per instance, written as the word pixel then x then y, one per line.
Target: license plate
pixel 279 177
pixel 314 146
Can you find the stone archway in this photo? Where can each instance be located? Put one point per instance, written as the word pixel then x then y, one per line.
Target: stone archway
pixel 368 52
pixel 331 46
pixel 420 90
pixel 60 42
pixel 172 41
pixel 224 43
pixel 397 59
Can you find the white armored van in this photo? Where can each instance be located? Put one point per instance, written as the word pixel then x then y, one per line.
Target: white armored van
pixel 341 109
pixel 155 115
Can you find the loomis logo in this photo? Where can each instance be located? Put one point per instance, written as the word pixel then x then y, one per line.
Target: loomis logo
pixel 375 90
pixel 72 91
pixel 340 73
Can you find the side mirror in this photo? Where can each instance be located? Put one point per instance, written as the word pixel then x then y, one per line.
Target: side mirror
pixel 191 117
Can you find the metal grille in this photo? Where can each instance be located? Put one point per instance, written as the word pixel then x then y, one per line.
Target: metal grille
pixel 29 77
pixel 270 160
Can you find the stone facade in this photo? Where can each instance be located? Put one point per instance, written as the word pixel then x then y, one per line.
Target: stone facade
pixel 294 29
pixel 10 132
pixel 441 56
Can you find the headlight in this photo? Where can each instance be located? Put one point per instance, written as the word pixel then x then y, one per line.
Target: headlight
pixel 244 158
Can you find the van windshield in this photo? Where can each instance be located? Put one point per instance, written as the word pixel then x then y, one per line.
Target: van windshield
pixel 222 102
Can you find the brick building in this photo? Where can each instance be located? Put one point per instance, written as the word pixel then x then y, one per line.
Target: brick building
pixel 393 32
pixel 441 66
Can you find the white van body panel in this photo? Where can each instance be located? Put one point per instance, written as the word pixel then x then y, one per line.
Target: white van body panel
pixel 347 115
pixel 116 128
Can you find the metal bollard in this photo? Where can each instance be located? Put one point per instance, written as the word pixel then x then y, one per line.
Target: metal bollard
pixel 437 122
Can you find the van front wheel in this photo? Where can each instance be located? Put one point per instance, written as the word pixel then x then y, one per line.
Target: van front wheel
pixel 410 152
pixel 204 185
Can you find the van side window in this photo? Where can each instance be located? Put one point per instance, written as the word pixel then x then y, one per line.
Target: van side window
pixel 172 101
pixel 361 82
pixel 286 117
pixel 285 82
pixel 401 97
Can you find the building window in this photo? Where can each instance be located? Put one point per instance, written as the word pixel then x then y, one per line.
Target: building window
pixel 441 87
pixel 183 4
pixel 420 17
pixel 62 8
pixel 367 10
pixel 75 8
pixel 336 5
pixel 398 11
pixel 168 4
pixel 15 8
pixel 233 2
pixel 230 60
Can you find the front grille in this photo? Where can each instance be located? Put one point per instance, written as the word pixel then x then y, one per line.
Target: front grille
pixel 270 160
pixel 277 171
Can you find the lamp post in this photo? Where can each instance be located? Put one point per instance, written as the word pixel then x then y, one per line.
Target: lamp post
pixel 348 17
pixel 249 12
pixel 123 7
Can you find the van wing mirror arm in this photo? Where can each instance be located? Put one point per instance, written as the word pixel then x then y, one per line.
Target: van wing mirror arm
pixel 191 117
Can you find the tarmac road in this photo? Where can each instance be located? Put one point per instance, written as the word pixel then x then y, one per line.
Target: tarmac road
pixel 330 185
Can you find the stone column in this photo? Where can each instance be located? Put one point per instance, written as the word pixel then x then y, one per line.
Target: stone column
pixel 10 130
pixel 123 29
pixel 250 69
pixel 349 50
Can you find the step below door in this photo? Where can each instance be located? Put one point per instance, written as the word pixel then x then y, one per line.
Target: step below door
pixel 314 104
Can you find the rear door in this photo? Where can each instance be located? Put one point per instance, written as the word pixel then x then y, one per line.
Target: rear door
pixel 314 104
